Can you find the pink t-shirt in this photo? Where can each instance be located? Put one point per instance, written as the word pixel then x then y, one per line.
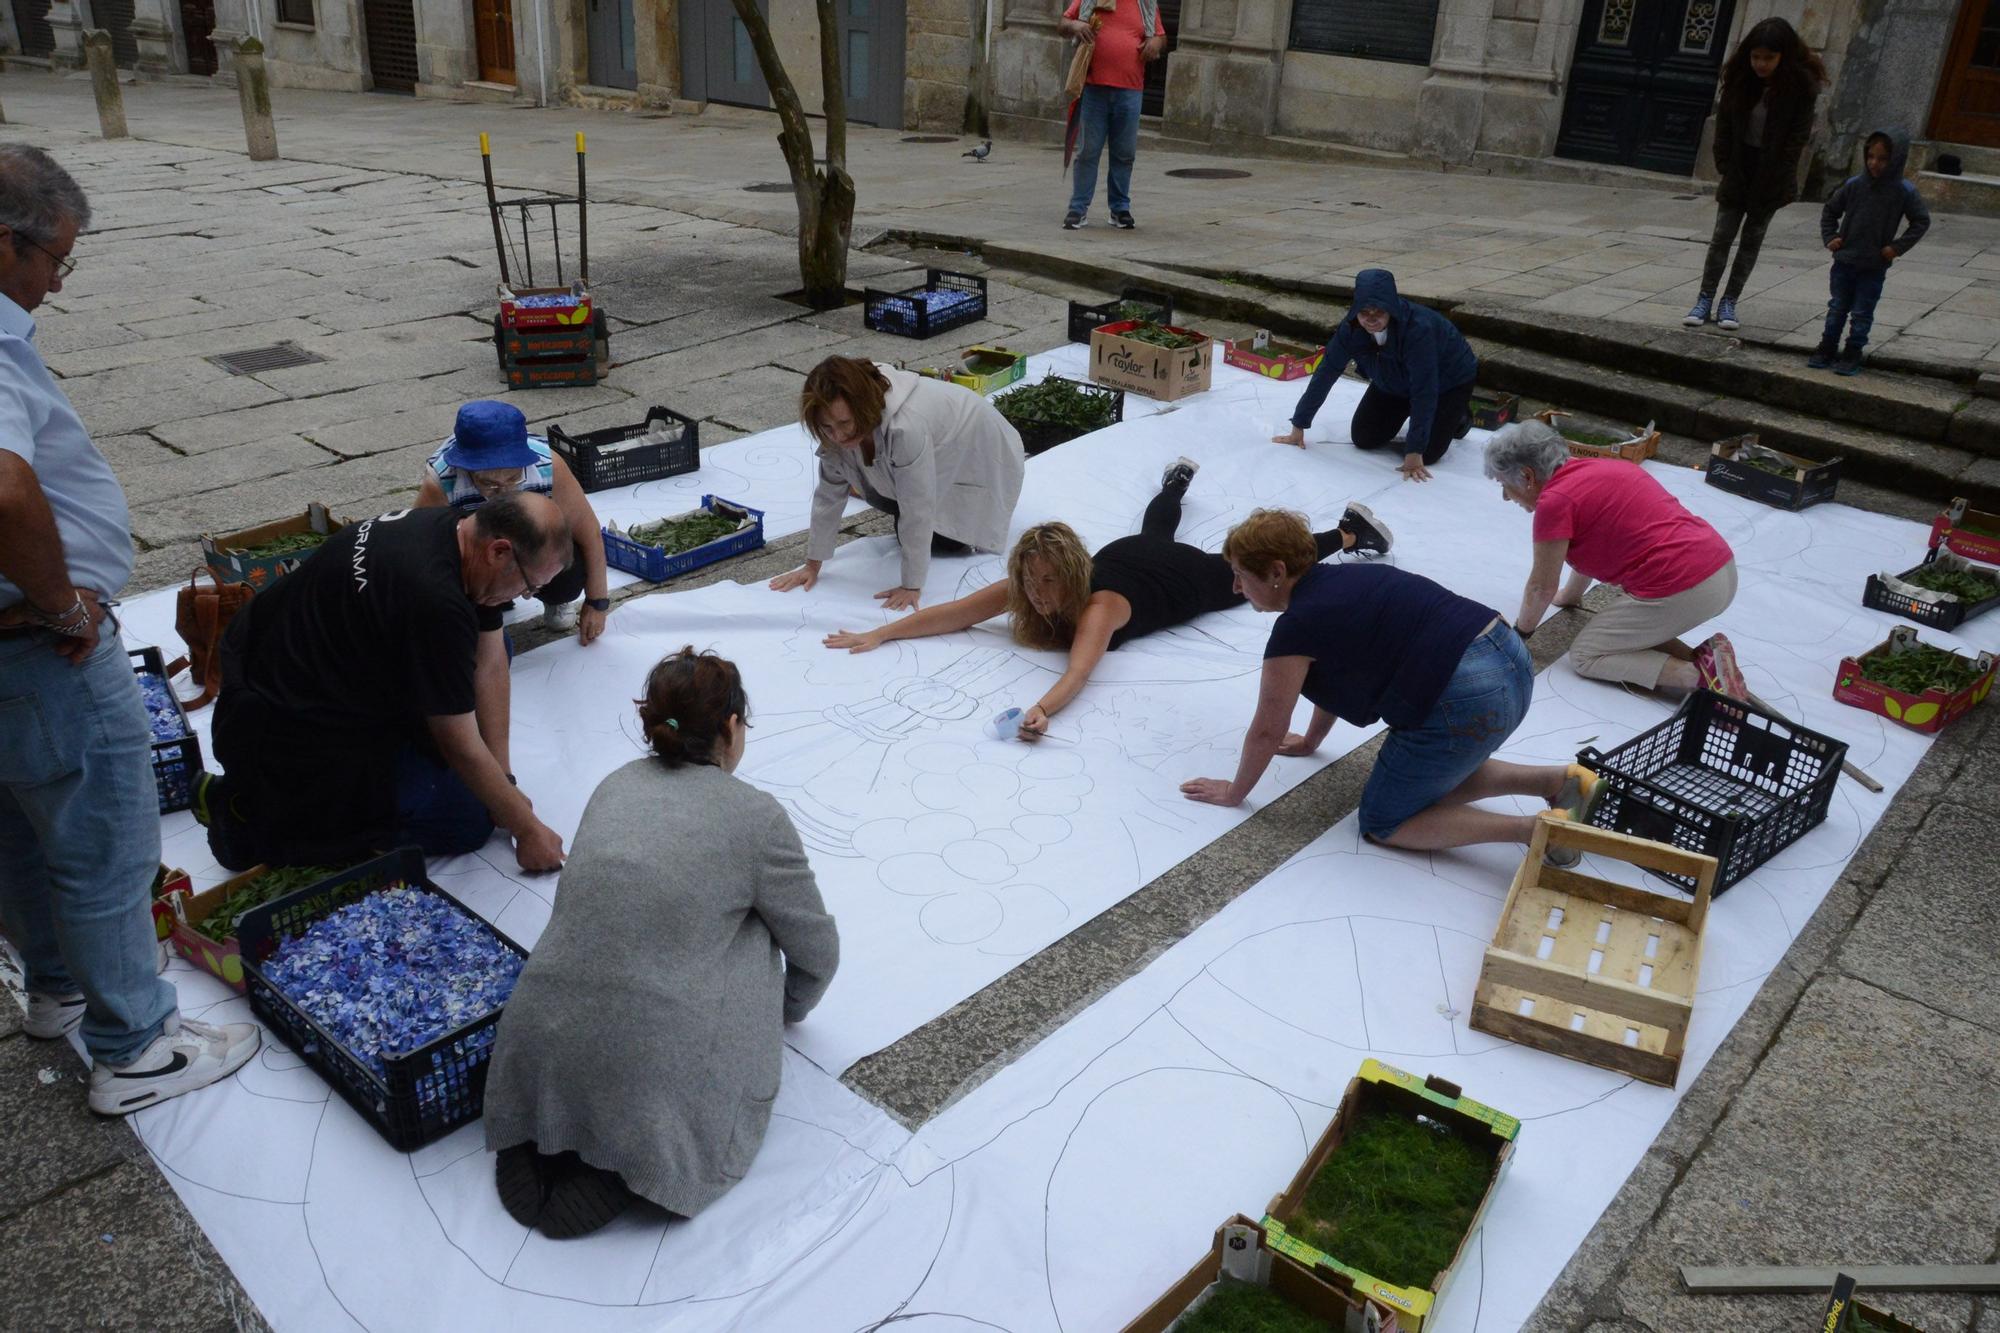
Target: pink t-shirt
pixel 1624 529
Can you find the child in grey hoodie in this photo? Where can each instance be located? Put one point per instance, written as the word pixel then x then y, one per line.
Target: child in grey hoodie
pixel 1859 226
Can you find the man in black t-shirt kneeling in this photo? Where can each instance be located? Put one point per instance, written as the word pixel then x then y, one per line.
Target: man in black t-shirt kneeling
pixel 365 695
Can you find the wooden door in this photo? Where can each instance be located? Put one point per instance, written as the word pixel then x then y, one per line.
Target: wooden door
pixel 1153 101
pixel 613 47
pixel 718 64
pixel 31 20
pixel 115 17
pixel 392 44
pixel 197 22
pixel 1643 82
pixel 493 30
pixel 1967 109
pixel 871 60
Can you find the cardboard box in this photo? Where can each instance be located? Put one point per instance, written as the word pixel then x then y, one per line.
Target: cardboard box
pixel 167 886
pixel 546 307
pixel 1241 1254
pixel 1844 1312
pixel 1491 411
pixel 1928 712
pixel 1433 1099
pixel 220 553
pixel 1805 484
pixel 1591 970
pixel 550 372
pixel 1268 356
pixel 222 960
pixel 1950 529
pixel 985 369
pixel 1165 373
pixel 1639 447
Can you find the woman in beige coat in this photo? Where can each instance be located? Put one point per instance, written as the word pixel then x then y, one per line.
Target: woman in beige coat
pixel 936 456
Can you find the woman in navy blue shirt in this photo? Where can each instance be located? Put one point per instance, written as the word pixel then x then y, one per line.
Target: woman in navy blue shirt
pixel 1369 642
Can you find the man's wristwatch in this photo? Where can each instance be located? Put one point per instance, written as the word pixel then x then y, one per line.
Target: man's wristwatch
pixel 598 603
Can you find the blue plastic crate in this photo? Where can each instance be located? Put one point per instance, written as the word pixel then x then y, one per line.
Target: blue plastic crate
pixel 656 566
pixel 947 300
pixel 176 759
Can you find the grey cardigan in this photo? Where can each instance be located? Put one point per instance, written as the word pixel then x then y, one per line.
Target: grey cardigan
pixel 646 1031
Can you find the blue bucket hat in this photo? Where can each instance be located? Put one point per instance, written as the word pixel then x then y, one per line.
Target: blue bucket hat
pixel 489 435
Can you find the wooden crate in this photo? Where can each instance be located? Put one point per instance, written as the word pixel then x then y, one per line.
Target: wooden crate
pixel 1606 973
pixel 1642 446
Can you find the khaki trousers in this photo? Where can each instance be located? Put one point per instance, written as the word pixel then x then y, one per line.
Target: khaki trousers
pixel 1622 642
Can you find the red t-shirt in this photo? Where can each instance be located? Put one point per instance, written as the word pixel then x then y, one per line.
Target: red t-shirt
pixel 1624 529
pixel 1116 63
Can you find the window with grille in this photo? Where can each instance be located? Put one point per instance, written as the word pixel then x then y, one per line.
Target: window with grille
pixel 1372 29
pixel 296 11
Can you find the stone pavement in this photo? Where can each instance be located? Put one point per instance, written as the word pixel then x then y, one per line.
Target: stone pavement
pixel 1629 253
pixel 1843 1119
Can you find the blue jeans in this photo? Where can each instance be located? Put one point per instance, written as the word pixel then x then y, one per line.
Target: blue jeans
pixel 435 809
pixel 1106 114
pixel 1855 292
pixel 1483 702
pixel 80 837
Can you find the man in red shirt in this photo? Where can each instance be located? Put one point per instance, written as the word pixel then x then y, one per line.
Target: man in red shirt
pixel 1123 36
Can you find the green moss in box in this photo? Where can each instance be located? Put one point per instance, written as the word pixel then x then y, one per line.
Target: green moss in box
pixel 1396 1198
pixel 1960 583
pixel 1596 439
pixel 1057 402
pixel 675 535
pixel 290 544
pixel 1243 1307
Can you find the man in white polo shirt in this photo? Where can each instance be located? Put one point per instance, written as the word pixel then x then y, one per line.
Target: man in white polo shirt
pixel 79 813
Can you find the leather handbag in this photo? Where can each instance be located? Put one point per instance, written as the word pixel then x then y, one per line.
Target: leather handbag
pixel 201 616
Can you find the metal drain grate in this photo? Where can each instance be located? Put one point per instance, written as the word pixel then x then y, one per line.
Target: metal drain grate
pixel 1209 174
pixel 928 138
pixel 278 356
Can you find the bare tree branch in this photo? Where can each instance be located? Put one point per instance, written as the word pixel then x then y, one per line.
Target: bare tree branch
pixel 836 90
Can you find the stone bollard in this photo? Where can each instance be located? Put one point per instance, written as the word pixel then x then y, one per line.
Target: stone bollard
pixel 104 82
pixel 253 89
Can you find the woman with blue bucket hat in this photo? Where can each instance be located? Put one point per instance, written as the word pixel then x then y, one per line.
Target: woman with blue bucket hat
pixel 489 454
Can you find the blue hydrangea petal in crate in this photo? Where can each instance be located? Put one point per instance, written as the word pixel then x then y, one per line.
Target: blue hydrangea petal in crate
pixel 176 749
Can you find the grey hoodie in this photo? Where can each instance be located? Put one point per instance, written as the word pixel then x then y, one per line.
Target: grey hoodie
pixel 1866 210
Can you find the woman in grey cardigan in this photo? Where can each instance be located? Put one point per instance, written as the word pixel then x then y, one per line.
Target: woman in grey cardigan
pixel 934 455
pixel 640 1051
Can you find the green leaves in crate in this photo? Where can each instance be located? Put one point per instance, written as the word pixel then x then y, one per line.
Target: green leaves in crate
pixel 1057 402
pixel 1960 583
pixel 1159 335
pixel 1395 1198
pixel 292 543
pixel 1918 668
pixel 220 924
pixel 675 535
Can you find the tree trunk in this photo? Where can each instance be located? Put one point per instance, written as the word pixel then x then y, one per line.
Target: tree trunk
pixel 825 194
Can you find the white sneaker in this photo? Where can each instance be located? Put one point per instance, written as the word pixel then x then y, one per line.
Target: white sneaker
pixel 52 1016
pixel 186 1055
pixel 561 616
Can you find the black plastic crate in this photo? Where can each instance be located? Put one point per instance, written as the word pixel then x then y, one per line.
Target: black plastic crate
pixel 1935 609
pixel 1721 778
pixel 1085 316
pixel 1807 484
pixel 622 455
pixel 947 300
pixel 421 1094
pixel 1039 437
pixel 176 763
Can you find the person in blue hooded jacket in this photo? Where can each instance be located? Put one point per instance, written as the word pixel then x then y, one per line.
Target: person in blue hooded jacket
pixel 1859 227
pixel 1419 369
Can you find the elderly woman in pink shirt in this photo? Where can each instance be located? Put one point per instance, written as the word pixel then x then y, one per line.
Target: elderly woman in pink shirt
pixel 1611 522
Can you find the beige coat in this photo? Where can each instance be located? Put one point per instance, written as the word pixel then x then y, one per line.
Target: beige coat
pixel 944 457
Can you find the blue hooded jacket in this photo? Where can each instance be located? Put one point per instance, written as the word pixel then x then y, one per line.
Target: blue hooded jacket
pixel 1423 357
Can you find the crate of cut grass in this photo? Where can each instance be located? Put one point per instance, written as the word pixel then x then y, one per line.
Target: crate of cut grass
pixel 1944 592
pixel 670 547
pixel 1057 410
pixel 261 555
pixel 389 987
pixel 1135 303
pixel 1744 467
pixel 1966 531
pixel 203 928
pixel 1390 1194
pixel 1242 1285
pixel 1917 684
pixel 1159 360
pixel 1584 442
pixel 1596 971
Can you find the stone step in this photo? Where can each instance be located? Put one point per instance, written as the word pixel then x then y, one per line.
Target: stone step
pixel 1974 159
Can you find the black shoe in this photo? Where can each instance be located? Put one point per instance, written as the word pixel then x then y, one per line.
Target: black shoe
pixel 1849 362
pixel 1072 220
pixel 229 835
pixel 1371 535
pixel 1822 355
pixel 1123 221
pixel 1464 425
pixel 582 1199
pixel 1179 474
pixel 521 1175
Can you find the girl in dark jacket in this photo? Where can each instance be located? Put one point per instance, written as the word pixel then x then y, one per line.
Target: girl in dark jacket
pixel 1769 88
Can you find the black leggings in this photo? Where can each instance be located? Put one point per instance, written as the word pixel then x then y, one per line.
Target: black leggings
pixel 1218 583
pixel 1379 415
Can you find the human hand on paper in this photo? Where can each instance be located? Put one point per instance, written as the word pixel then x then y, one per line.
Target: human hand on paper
pixel 1209 791
pixel 590 623
pixel 853 642
pixel 899 599
pixel 537 846
pixel 1412 467
pixel 1295 746
pixel 803 577
pixel 1034 724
